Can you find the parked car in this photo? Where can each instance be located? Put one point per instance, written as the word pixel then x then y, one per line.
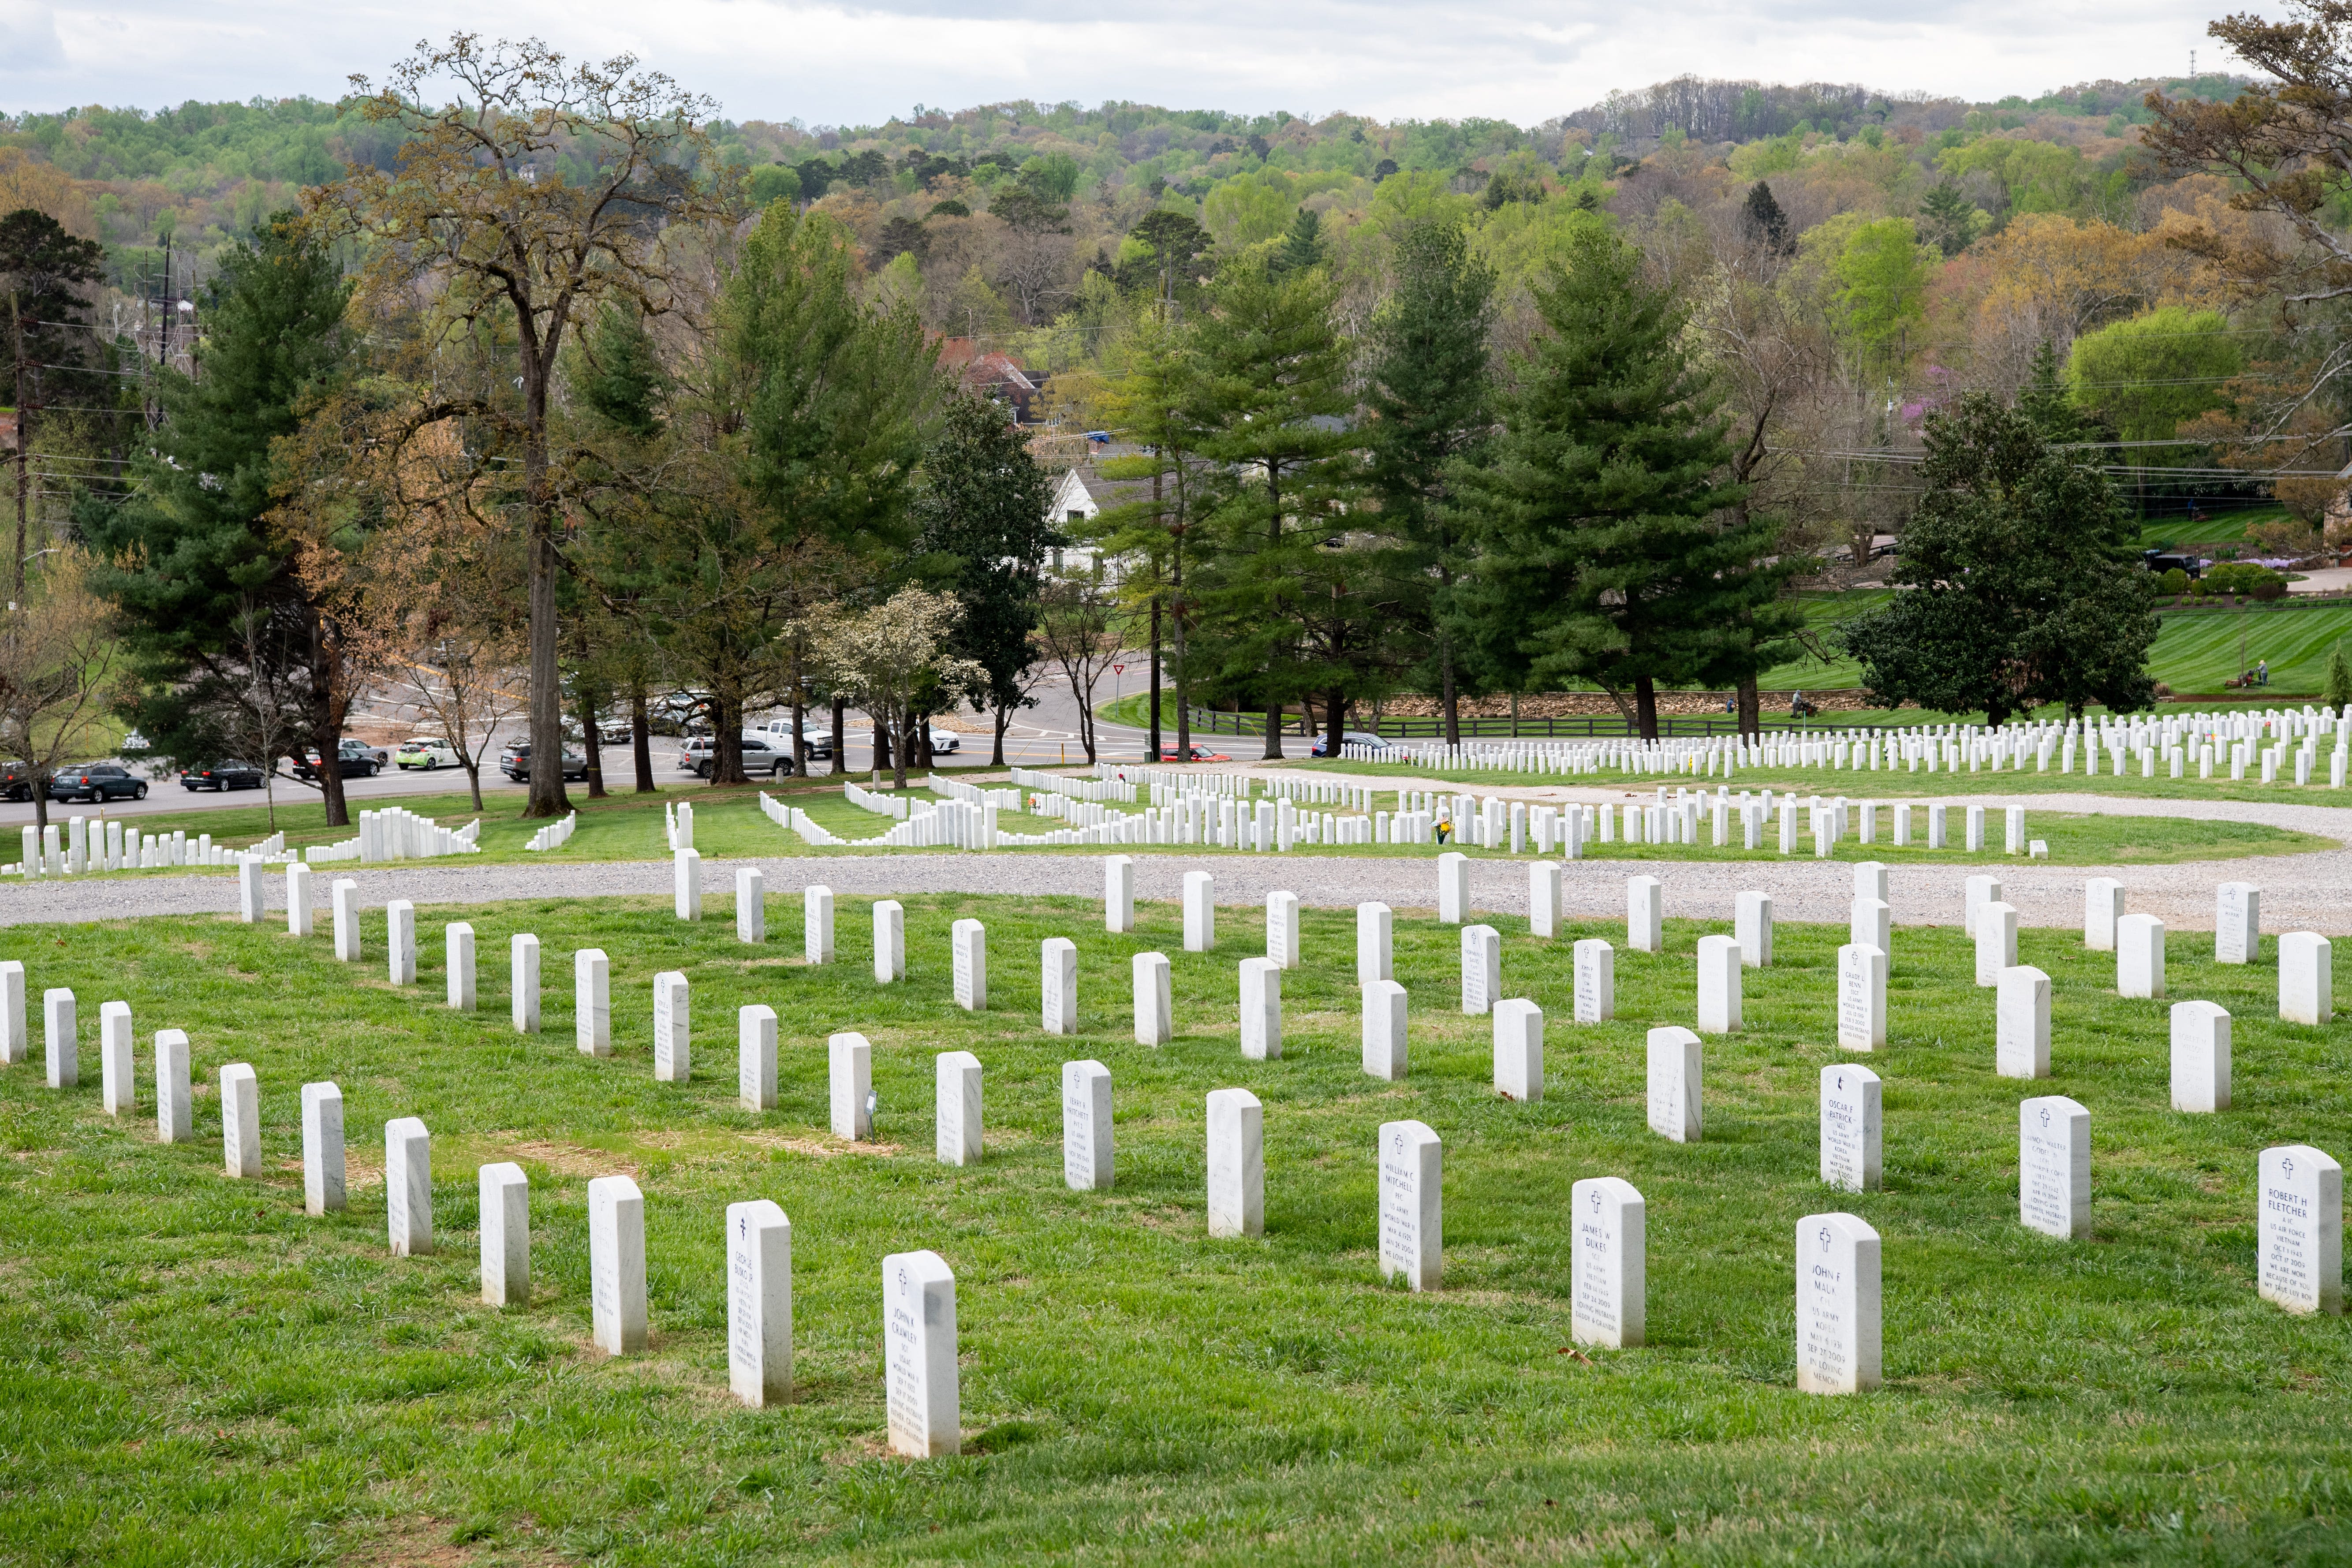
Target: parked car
pixel 427 752
pixel 1360 738
pixel 515 763
pixel 1199 754
pixel 780 733
pixel 354 758
pixel 945 739
pixel 224 776
pixel 615 734
pixel 97 782
pixel 762 753
pixel 16 781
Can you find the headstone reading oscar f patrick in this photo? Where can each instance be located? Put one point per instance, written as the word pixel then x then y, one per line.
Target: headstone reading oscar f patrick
pixel 1412 1226
pixel 1837 1305
pixel 1852 1128
pixel 923 1402
pixel 1609 1273
pixel 2299 1249
pixel 2053 1167
pixel 1087 1164
pixel 616 1265
pixel 1237 1156
pixel 759 1303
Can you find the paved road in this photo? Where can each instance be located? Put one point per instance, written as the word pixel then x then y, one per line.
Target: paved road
pixel 2310 891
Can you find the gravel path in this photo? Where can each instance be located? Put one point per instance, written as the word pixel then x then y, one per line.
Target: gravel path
pixel 2309 892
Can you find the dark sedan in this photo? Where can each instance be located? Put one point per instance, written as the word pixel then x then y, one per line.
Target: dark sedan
pixel 97 782
pixel 222 776
pixel 515 763
pixel 353 760
pixel 16 781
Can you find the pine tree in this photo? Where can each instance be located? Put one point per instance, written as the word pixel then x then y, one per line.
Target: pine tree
pixel 1612 551
pixel 2046 402
pixel 1767 225
pixel 1431 395
pixel 2337 690
pixel 1272 389
pixel 1302 243
pixel 206 586
pixel 983 510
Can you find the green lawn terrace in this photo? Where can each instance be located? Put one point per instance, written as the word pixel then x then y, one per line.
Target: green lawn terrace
pixel 2272 745
pixel 1128 1381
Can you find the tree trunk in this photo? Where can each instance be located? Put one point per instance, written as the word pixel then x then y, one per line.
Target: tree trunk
pixel 24 457
pixel 840 735
pixel 1183 694
pixel 590 744
pixel 1646 705
pixel 901 743
pixel 726 739
pixel 1152 755
pixel 1751 709
pixel 641 741
pixel 327 724
pixel 919 740
pixel 799 718
pixel 996 753
pixel 883 753
pixel 1334 726
pixel 1273 751
pixel 547 796
pixel 474 780
pixel 1448 699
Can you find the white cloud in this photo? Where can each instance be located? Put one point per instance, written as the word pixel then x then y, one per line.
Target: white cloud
pixel 777 58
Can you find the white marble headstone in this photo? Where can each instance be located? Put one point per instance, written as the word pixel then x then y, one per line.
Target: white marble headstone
pixel 323 1148
pixel 1412 1225
pixel 889 941
pixel 1718 984
pixel 592 1001
pixel 673 1047
pixel 2053 1167
pixel 1200 911
pixel 1375 933
pixel 117 1071
pixel 816 923
pixel 241 1103
pixel 1996 937
pixel 1596 980
pixel 1384 1030
pixel 1482 969
pixel 1608 1282
pixel 755 1057
pixel 1118 894
pixel 1453 888
pixel 1852 1128
pixel 2237 924
pixel 1543 898
pixel 457 958
pixel 408 1186
pixel 1261 1009
pixel 1087 1153
pixel 1673 1084
pixel 1752 925
pixel 400 941
pixel 1838 1345
pixel 616 1265
pixel 2140 956
pixel 1237 1154
pixel 1154 1001
pixel 2306 978
pixel 504 1194
pixel 522 965
pixel 759 1303
pixel 924 1404
pixel 1282 929
pixel 1058 964
pixel 1518 1049
pixel 174 1095
pixel 969 940
pixel 849 1072
pixel 2020 1014
pixel 1644 914
pixel 1861 998
pixel 751 905
pixel 15 1043
pixel 956 1123
pixel 2201 1057
pixel 686 883
pixel 2103 906
pixel 2299 1251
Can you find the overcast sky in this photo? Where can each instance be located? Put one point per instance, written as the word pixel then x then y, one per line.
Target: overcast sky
pixel 775 59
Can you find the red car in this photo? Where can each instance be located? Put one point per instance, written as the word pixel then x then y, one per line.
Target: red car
pixel 1168 754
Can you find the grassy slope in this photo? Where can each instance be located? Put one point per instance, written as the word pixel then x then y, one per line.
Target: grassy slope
pixel 194 1371
pixel 728 824
pixel 2199 650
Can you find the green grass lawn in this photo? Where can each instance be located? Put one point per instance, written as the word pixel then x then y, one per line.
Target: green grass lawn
pixel 728 823
pixel 2200 649
pixel 197 1373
